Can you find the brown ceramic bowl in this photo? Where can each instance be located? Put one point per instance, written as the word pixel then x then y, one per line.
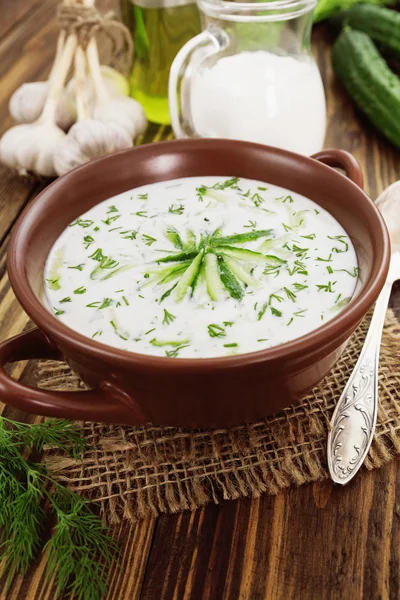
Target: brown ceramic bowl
pixel 134 388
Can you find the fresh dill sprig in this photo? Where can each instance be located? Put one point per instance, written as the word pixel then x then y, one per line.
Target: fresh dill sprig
pixel 78 267
pixel 215 330
pixel 87 240
pixel 80 290
pixel 148 240
pixel 168 317
pixel 257 200
pixel 129 234
pixel 327 288
pixel 80 550
pixel 110 220
pixel 176 210
pixel 82 223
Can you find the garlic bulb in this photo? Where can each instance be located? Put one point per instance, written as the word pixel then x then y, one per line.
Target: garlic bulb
pixel 123 111
pixel 27 102
pixel 30 147
pixel 89 139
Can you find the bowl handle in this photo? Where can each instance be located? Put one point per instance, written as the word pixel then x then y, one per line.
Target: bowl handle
pixel 342 160
pixel 107 403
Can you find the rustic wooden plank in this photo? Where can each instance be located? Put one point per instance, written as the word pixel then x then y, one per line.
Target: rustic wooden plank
pixel 316 542
pixel 12 13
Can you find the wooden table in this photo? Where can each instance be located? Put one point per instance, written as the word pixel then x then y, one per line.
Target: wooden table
pixel 313 542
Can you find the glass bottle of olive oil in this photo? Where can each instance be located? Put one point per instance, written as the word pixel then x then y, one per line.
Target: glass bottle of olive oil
pixel 159 29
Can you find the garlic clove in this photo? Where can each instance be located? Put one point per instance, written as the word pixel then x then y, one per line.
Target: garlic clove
pixel 27 101
pixel 89 139
pixel 30 148
pixel 125 112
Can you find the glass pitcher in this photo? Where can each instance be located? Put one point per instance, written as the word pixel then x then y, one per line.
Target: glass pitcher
pixel 250 75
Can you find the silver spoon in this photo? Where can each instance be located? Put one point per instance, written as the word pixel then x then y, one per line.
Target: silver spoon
pixel 354 419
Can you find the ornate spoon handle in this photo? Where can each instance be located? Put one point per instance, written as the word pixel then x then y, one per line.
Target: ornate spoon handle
pixel 354 419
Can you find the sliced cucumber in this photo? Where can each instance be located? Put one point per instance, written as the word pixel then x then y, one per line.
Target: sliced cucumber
pixel 191 239
pixel 177 257
pixel 229 280
pixel 174 272
pixel 241 273
pixel 188 277
pixel 215 288
pixel 241 238
pixel 241 254
pixel 173 236
pixel 174 343
pixel 273 260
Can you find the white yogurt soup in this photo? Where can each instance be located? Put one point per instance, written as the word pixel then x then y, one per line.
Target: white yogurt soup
pixel 201 267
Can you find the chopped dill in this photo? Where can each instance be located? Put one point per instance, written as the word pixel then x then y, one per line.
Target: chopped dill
pixel 168 317
pixel 216 330
pixel 148 240
pixel 82 223
pixel 327 288
pixel 176 210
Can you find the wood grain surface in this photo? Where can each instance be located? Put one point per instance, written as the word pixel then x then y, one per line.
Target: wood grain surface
pixel 316 542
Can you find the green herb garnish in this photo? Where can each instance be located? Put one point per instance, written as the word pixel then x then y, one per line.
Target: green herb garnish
pixel 130 234
pixel 232 345
pixel 78 267
pixel 291 296
pixel 80 290
pixel 215 330
pixel 168 317
pixel 67 299
pixel 340 238
pixel 99 305
pixel 327 288
pixel 148 240
pixel 88 239
pixel 176 210
pixel 174 353
pixel 82 223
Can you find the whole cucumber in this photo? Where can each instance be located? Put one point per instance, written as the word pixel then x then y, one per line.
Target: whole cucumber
pixel 369 81
pixel 381 24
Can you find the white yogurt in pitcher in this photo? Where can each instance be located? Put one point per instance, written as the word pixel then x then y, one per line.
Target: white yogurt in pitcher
pixel 260 97
pixel 201 267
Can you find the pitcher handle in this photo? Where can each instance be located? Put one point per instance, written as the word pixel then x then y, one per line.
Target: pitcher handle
pixel 214 36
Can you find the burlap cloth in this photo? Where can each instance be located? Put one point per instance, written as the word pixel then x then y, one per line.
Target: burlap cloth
pixel 136 471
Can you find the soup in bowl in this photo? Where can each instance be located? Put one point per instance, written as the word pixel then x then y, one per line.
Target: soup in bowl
pixel 194 283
